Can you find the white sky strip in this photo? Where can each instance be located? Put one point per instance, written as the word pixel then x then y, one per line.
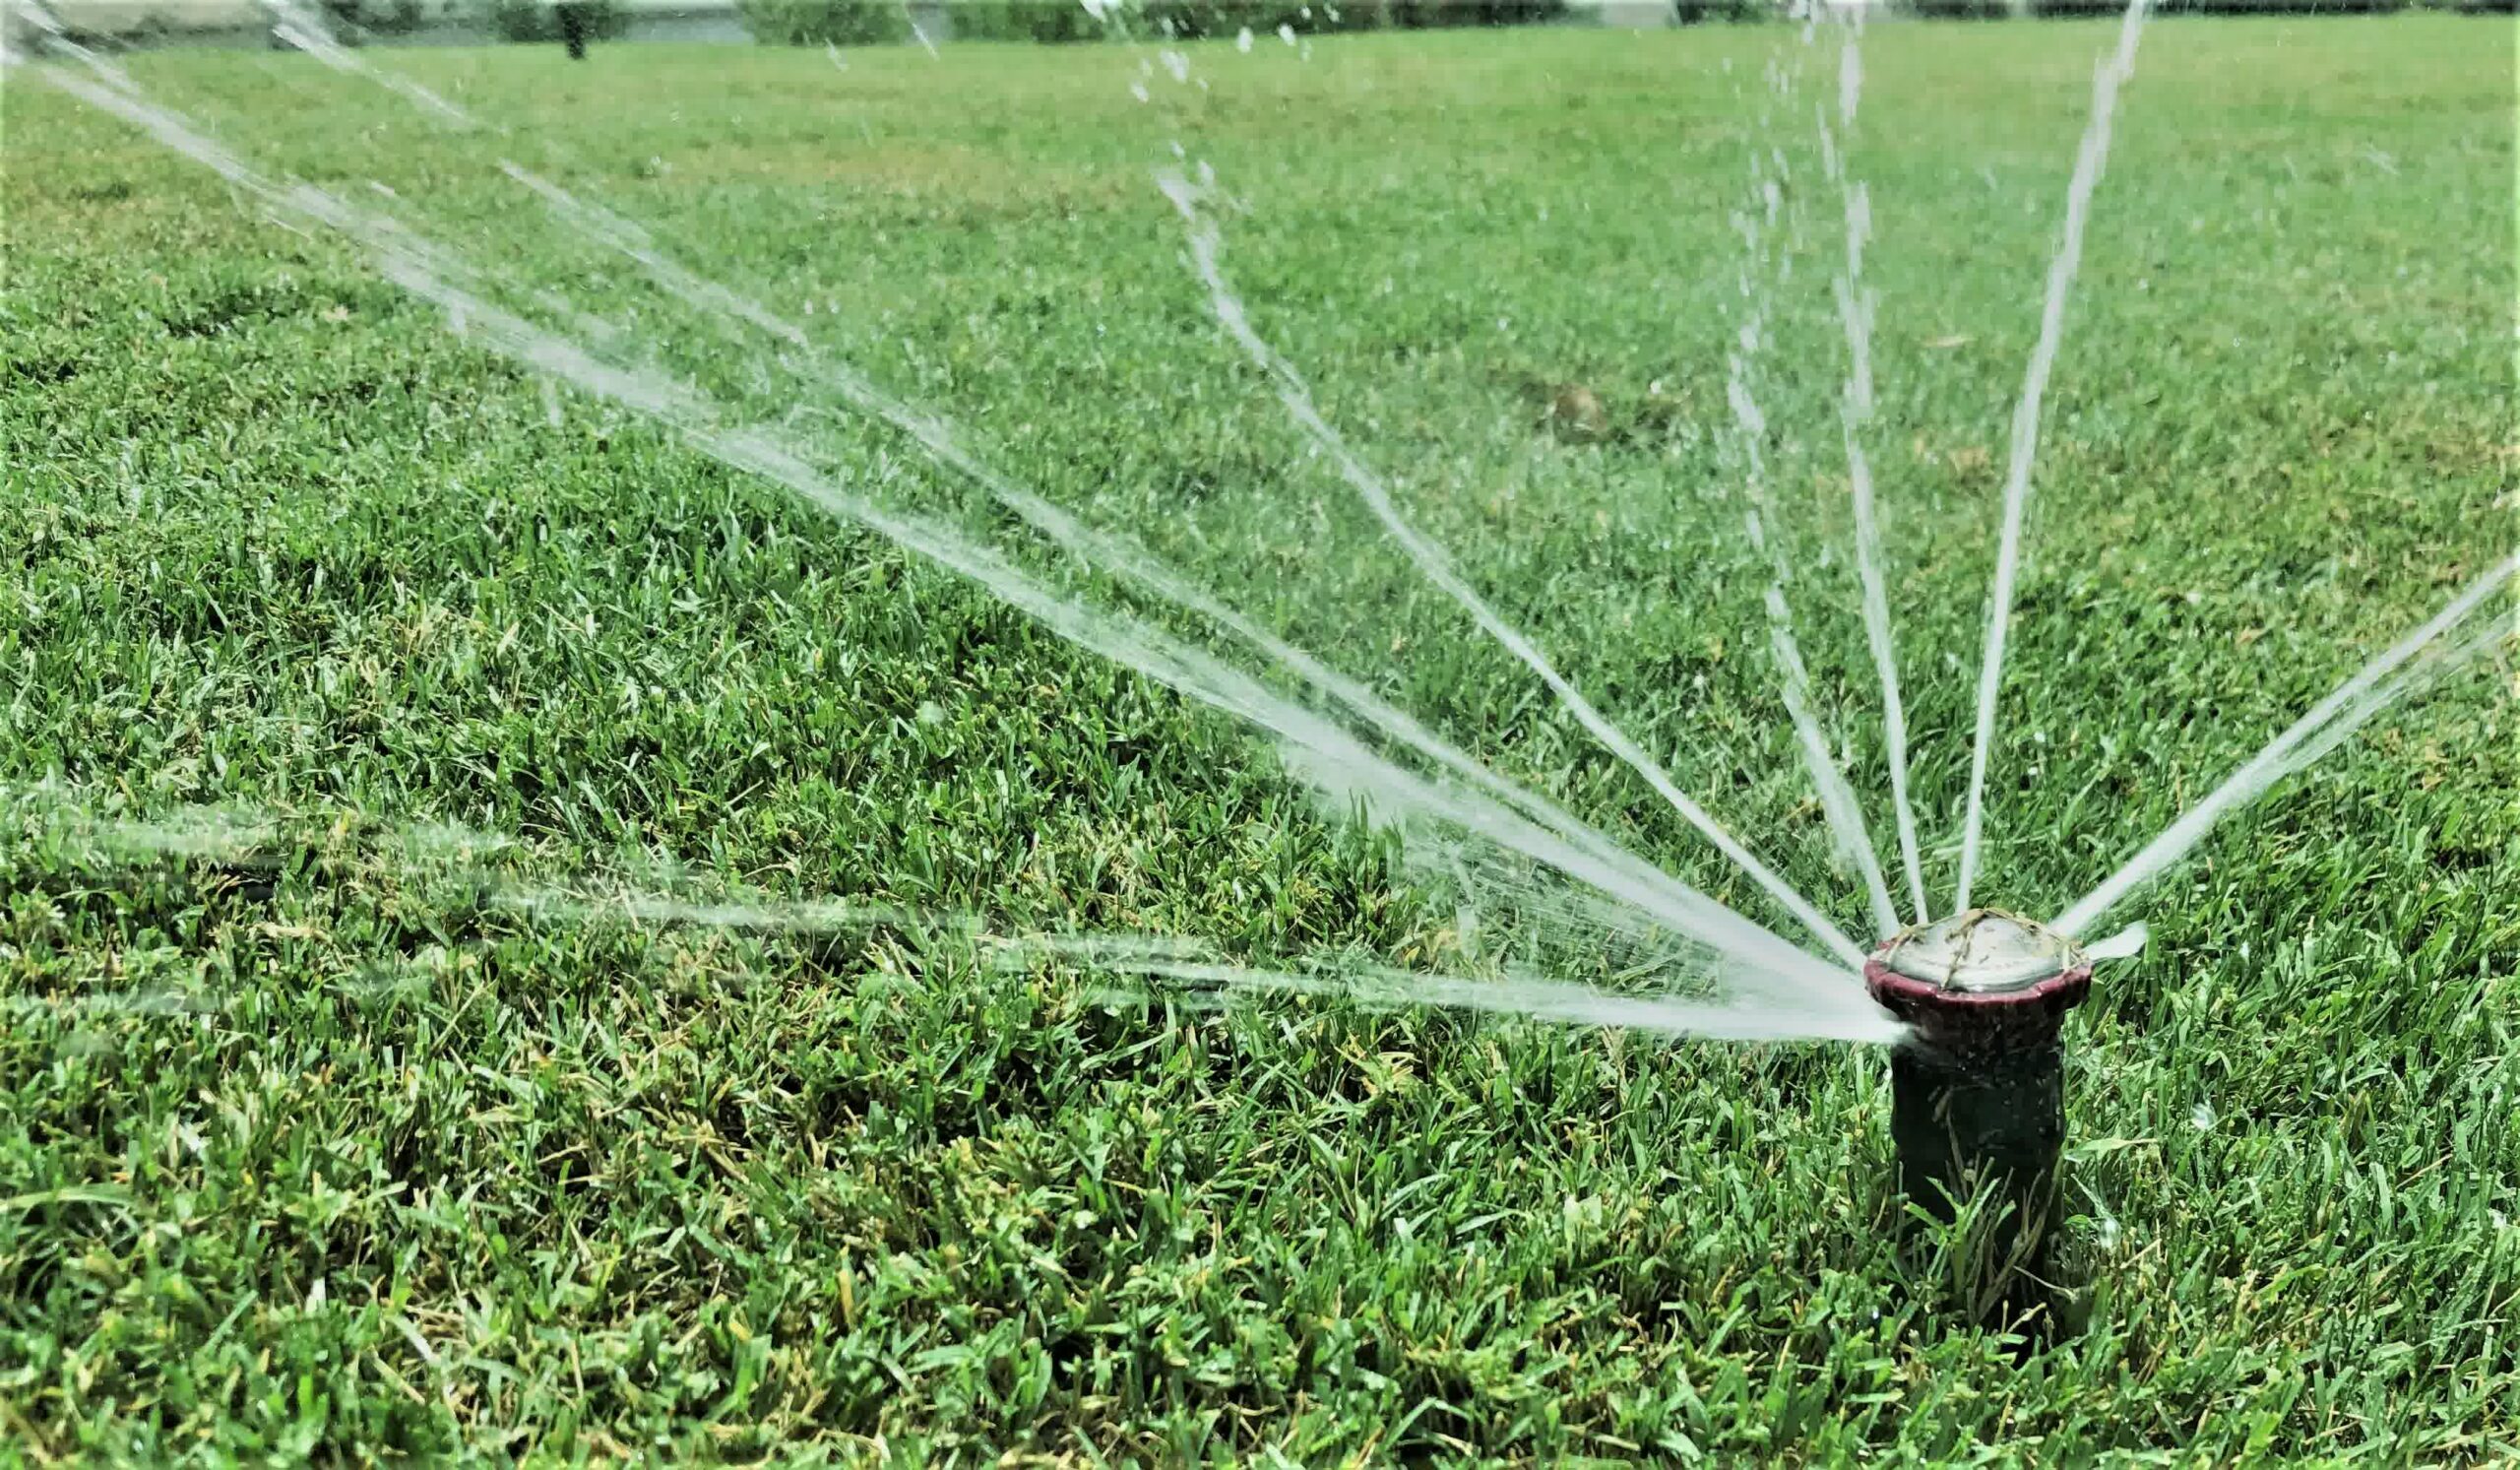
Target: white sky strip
pixel 1753 956
pixel 2319 731
pixel 2089 163
pixel 1206 248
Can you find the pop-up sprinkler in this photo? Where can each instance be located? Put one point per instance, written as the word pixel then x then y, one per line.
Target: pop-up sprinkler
pixel 1978 1090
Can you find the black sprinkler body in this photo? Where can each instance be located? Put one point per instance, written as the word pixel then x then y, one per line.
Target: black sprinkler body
pixel 1977 1092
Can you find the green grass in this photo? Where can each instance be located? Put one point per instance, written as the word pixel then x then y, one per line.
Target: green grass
pixel 381 1167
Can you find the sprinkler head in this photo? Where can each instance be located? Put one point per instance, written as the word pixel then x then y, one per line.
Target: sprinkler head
pixel 1978 1090
pixel 1979 982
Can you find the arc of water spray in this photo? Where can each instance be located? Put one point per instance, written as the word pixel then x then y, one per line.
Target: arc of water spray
pixel 943 446
pixel 1207 244
pixel 1561 1002
pixel 1838 801
pixel 1755 955
pixel 2089 163
pixel 2429 667
pixel 1112 552
pixel 1855 315
pixel 1119 554
pixel 309 32
pixel 2326 724
pixel 2318 731
pixel 919 32
pixel 591 902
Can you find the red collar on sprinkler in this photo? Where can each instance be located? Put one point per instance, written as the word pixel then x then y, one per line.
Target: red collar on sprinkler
pixel 1980 983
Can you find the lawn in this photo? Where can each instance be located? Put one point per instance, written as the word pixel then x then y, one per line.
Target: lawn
pixel 330 633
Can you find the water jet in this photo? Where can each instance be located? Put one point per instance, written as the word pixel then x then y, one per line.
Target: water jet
pixel 1977 1089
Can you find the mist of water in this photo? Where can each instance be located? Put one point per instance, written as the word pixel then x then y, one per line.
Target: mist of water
pixel 307 30
pixel 806 917
pixel 2435 665
pixel 1797 994
pixel 1823 996
pixel 595 902
pixel 942 444
pixel 919 32
pixel 1855 316
pixel 151 1000
pixel 1523 997
pixel 1207 247
pixel 2089 162
pixel 1168 957
pixel 1837 804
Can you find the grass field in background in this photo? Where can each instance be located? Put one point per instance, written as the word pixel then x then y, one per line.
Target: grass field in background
pixel 311 1146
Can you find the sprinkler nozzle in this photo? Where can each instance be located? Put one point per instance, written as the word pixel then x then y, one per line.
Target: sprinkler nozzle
pixel 1978 1090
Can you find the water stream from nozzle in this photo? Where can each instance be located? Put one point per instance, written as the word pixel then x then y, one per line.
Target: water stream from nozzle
pixel 2089 162
pixel 1750 958
pixel 1354 750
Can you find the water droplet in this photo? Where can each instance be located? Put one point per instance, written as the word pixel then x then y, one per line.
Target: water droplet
pixel 1286 33
pixel 2202 1117
pixel 1243 41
